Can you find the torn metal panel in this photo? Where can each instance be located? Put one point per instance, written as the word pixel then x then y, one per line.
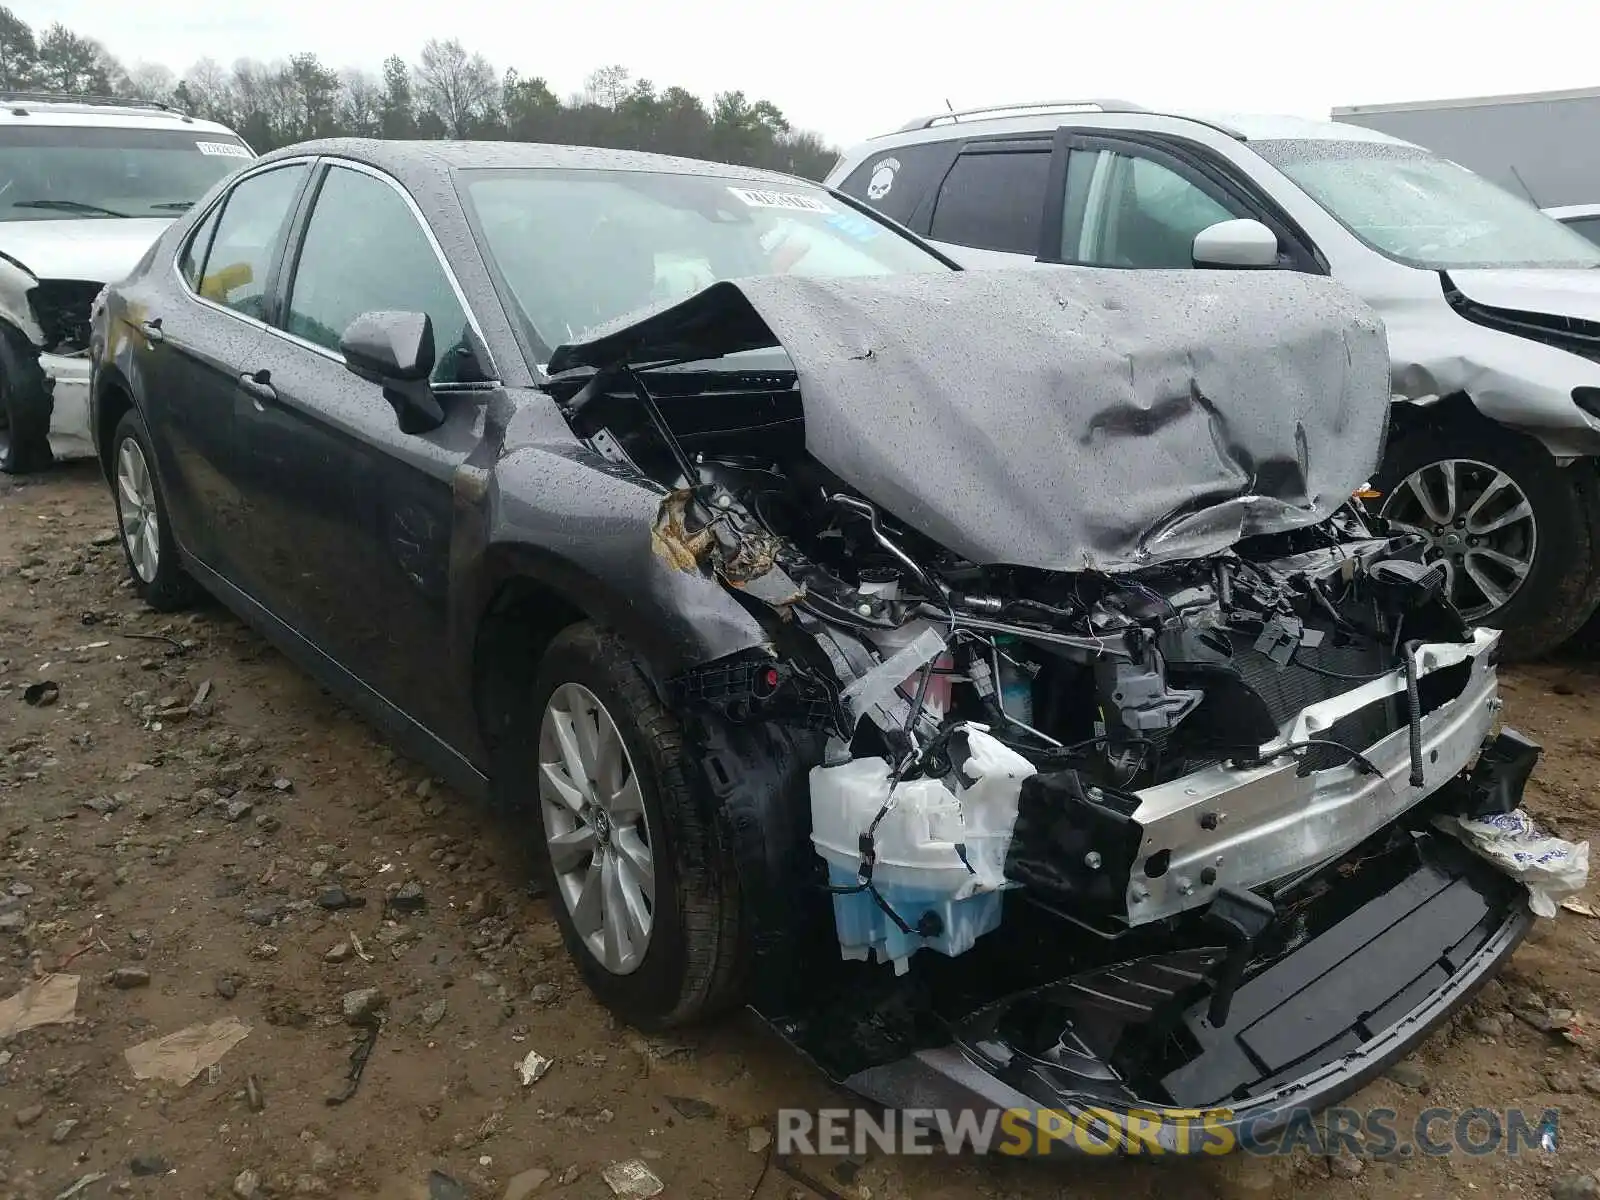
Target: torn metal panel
pixel 16 282
pixel 1007 414
pixel 744 557
pixel 596 545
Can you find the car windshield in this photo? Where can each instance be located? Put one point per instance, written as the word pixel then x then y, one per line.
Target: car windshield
pixel 578 249
pixel 72 172
pixel 1423 210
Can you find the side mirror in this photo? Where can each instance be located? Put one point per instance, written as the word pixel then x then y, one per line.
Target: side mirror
pixel 395 349
pixel 1244 243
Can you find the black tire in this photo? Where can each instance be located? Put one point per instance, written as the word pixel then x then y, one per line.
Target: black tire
pixel 171 589
pixel 694 964
pixel 25 407
pixel 1562 586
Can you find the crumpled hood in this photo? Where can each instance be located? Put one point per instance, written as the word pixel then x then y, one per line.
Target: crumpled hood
pixel 1559 293
pixel 94 250
pixel 1063 418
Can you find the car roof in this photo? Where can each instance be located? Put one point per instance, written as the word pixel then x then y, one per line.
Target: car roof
pixel 1048 117
pixel 1271 127
pixel 21 109
pixel 414 158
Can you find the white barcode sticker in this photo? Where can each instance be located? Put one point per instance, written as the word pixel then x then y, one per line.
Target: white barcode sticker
pixel 224 149
pixel 792 201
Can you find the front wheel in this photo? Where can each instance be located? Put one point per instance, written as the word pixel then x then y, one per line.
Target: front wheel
pixel 1517 533
pixel 640 875
pixel 25 407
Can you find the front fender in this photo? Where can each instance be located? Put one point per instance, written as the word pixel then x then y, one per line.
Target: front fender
pixel 558 514
pixel 16 281
pixel 1514 381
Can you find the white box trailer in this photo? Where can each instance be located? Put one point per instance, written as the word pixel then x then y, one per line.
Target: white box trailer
pixel 1537 144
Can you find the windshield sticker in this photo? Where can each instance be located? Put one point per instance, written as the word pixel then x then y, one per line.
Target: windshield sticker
pixel 792 201
pixel 853 226
pixel 223 149
pixel 882 178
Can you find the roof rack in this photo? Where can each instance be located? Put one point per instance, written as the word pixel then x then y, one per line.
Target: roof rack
pixel 994 112
pixel 10 97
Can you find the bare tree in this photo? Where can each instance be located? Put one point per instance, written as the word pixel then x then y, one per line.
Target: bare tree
pixel 456 87
pixel 608 86
pixel 266 103
pixel 361 104
pixel 208 90
pixel 151 81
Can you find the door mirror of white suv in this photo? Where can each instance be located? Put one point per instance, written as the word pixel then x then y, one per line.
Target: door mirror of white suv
pixel 1241 243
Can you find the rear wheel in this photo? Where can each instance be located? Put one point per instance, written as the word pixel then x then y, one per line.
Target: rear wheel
pixel 142 523
pixel 640 875
pixel 1516 533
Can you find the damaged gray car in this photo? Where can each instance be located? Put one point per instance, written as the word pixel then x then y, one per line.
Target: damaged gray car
pixel 988 677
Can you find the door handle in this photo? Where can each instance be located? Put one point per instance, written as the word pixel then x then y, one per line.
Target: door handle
pixel 152 331
pixel 259 385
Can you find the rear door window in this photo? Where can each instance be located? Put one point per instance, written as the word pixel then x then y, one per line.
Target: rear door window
pixel 194 251
pixel 247 240
pixel 993 200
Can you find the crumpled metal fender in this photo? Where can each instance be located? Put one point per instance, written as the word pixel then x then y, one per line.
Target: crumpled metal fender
pixel 16 281
pixel 534 501
pixel 1513 381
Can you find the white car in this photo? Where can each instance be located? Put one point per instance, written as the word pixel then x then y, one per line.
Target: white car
pixel 86 186
pixel 1492 308
pixel 1585 218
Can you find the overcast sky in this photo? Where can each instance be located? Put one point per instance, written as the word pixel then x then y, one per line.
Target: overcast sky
pixel 852 68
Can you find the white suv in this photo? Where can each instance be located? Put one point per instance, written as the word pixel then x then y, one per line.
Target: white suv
pixel 86 186
pixel 1492 308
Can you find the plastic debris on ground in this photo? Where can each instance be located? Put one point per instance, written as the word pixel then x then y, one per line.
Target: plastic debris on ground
pixel 1565 1023
pixel 77 1189
pixel 632 1180
pixel 533 1067
pixel 42 694
pixel 938 849
pixel 51 1000
pixel 1551 868
pixel 179 1057
pixel 360 1055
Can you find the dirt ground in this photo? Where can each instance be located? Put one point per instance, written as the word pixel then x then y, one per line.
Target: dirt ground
pixel 187 861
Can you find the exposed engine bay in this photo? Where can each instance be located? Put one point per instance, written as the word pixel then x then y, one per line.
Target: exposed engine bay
pixel 1124 790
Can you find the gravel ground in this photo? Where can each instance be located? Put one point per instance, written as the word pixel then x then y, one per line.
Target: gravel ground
pixel 201 836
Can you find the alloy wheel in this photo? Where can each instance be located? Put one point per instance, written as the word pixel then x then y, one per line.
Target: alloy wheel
pixel 595 826
pixel 1477 521
pixel 136 496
